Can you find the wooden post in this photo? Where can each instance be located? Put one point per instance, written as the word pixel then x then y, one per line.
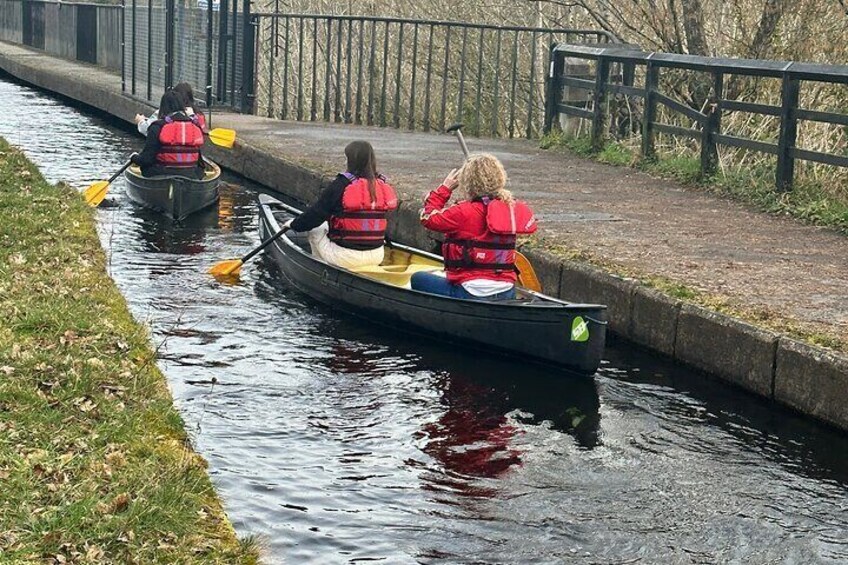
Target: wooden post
pixel 712 127
pixel 652 78
pixel 600 95
pixel 556 65
pixel 248 59
pixel 788 132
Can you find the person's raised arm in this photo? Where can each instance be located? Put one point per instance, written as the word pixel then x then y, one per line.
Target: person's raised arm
pixel 434 215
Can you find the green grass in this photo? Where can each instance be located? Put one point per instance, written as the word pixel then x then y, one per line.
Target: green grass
pixel 95 464
pixel 808 201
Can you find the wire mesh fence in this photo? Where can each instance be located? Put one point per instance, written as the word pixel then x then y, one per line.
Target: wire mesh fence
pixel 169 42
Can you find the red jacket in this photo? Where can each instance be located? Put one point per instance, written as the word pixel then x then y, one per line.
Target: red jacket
pixel 465 221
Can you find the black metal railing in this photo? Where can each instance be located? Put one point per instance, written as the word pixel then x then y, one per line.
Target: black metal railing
pixel 416 74
pixel 596 84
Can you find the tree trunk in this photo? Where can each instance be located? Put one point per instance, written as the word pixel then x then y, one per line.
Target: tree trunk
pixel 693 26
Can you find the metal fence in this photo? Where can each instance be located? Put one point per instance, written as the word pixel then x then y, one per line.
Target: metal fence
pixel 84 32
pixel 701 121
pixel 169 42
pixel 417 74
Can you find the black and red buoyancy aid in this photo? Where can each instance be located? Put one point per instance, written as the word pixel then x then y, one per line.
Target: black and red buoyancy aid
pixel 362 223
pixel 181 140
pixel 494 250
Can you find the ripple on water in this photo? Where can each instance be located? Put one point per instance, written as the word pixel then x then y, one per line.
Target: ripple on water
pixel 340 443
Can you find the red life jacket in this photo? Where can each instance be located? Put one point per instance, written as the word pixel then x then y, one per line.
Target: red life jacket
pixel 362 223
pixel 181 141
pixel 494 250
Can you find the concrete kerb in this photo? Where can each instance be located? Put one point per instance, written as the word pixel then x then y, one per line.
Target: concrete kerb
pixel 283 176
pixel 586 283
pixel 732 350
pixel 812 381
pixel 654 319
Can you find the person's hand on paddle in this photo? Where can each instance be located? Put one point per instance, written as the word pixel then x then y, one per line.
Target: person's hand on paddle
pixel 288 223
pixel 452 180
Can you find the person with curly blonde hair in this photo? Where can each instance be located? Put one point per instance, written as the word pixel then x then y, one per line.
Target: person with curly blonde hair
pixel 480 232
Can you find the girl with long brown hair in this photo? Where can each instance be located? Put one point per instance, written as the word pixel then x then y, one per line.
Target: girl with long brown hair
pixel 347 224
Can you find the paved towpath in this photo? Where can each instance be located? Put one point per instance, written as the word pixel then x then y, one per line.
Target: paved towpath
pixel 617 215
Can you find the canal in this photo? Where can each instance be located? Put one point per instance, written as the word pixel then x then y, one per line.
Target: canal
pixel 336 441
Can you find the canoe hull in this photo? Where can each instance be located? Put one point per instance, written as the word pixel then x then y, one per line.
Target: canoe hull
pixel 176 197
pixel 541 330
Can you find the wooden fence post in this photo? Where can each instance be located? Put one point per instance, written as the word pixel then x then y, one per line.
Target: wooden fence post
pixel 652 79
pixel 556 65
pixel 712 127
pixel 599 100
pixel 788 132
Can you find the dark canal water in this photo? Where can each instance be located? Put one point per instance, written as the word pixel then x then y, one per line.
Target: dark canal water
pixel 337 442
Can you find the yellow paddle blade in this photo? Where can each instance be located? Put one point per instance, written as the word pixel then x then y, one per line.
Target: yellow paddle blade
pixel 95 193
pixel 526 274
pixel 229 268
pixel 223 137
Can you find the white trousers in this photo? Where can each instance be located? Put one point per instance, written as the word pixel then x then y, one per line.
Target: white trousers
pixel 334 254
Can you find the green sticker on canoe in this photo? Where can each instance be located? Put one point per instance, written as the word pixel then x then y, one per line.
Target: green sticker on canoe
pixel 579 330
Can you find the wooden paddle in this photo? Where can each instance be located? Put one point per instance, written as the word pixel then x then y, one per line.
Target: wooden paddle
pixel 231 268
pixel 526 274
pixel 95 193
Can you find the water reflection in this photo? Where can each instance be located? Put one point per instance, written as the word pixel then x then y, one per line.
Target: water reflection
pixel 481 398
pixel 161 234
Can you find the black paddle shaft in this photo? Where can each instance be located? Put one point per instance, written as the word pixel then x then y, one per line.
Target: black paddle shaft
pixel 265 244
pixel 121 170
pixel 274 237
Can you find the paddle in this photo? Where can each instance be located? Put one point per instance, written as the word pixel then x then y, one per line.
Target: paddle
pixel 231 267
pixel 95 193
pixel 526 274
pixel 223 137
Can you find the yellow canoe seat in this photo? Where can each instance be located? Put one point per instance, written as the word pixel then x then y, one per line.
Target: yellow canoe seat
pixel 396 275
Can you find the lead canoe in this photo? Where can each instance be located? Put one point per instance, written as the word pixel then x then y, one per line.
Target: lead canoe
pixel 175 196
pixel 533 327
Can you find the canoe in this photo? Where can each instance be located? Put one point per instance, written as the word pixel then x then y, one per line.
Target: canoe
pixel 175 196
pixel 533 327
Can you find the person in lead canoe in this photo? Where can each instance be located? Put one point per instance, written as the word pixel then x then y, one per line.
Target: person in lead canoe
pixel 347 224
pixel 480 232
pixel 187 94
pixel 173 142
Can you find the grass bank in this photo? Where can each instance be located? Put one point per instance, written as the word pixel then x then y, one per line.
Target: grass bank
pixel 808 201
pixel 95 464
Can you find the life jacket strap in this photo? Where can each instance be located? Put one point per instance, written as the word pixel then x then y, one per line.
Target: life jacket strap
pixel 467 243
